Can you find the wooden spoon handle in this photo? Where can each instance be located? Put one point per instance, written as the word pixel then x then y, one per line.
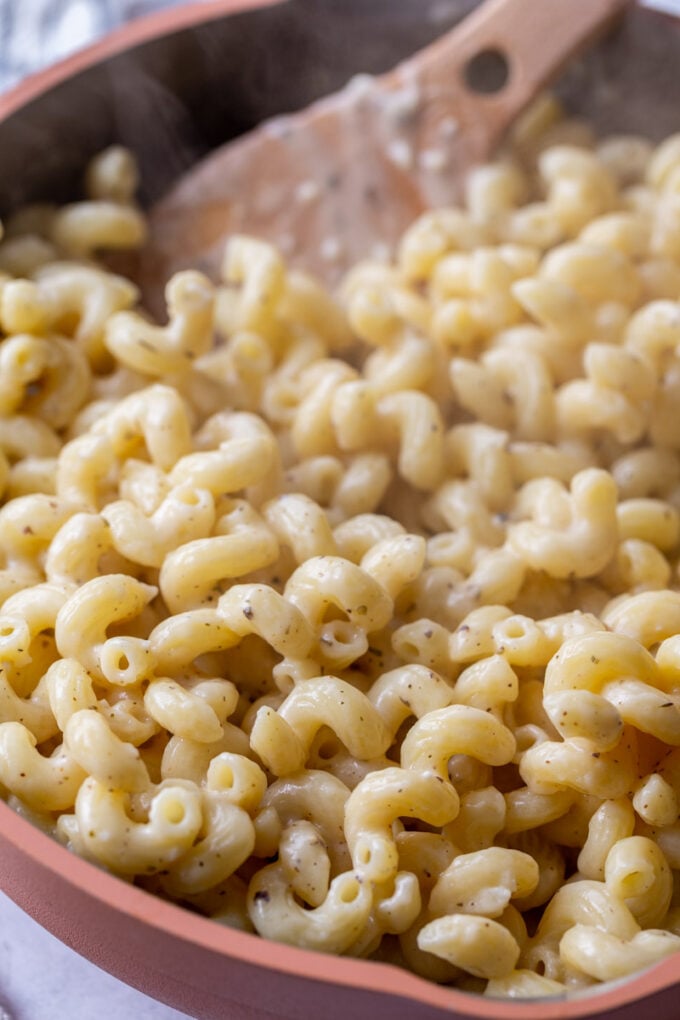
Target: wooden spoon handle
pixel 535 37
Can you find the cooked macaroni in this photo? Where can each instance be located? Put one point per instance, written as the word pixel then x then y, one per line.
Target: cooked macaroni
pixel 355 621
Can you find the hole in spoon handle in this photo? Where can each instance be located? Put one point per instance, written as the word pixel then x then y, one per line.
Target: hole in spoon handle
pixel 488 72
pixel 505 52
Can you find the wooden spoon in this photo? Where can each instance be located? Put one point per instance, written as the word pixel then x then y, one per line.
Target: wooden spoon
pixel 353 170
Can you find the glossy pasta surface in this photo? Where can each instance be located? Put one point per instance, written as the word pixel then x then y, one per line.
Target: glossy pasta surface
pixel 354 619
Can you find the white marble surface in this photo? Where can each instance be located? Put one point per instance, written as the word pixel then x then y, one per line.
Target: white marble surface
pixel 41 979
pixel 34 33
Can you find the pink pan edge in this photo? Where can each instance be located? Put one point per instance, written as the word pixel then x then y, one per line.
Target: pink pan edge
pixel 31 859
pixel 112 922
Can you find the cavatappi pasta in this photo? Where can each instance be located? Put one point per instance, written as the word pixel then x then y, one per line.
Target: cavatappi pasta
pixel 355 621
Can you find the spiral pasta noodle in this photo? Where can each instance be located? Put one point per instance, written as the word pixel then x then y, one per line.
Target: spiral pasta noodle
pixel 354 620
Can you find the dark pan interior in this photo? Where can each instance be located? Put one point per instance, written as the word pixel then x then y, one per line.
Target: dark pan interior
pixel 174 98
